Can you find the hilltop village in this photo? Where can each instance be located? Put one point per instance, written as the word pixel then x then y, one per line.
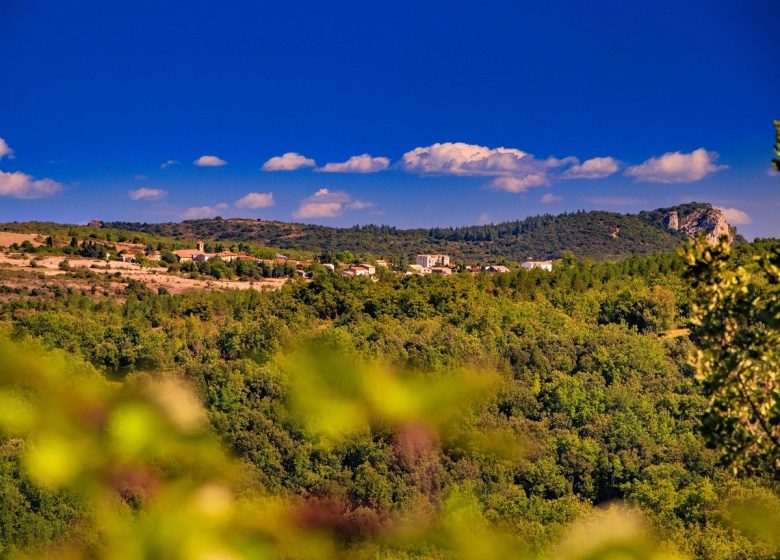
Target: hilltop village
pixel 424 264
pixel 77 258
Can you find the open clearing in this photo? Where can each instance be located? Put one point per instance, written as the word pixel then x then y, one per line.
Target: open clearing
pixel 7 238
pixel 154 277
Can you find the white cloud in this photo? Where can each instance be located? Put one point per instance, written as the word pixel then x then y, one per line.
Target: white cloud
pixel 363 163
pixel 20 185
pixel 255 200
pixel 594 168
pixel 5 150
pixel 16 184
pixel 555 162
pixel 198 212
pixel 485 219
pixel 328 204
pixel 519 184
pixel 735 216
pixel 360 205
pixel 288 162
pixel 676 167
pixel 145 193
pixel 459 158
pixel 318 210
pixel 549 198
pixel 171 163
pixel 513 170
pixel 209 161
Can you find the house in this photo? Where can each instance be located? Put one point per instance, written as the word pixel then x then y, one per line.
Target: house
pixel 330 267
pixel 227 256
pixel 369 267
pixel 200 255
pixel 530 265
pixel 186 255
pixel 429 261
pixel 443 270
pixel 417 269
pixel 127 257
pixel 496 268
pixel 355 270
pixel 382 263
pixel 473 269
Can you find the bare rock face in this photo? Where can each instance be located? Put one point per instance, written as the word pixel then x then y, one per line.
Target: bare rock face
pixel 707 220
pixel 671 221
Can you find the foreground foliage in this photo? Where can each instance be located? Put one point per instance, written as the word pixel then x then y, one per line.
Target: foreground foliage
pixel 738 326
pixel 461 417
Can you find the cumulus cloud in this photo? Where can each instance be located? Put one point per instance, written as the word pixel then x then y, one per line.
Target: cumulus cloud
pixel 520 184
pixel 209 161
pixel 288 162
pixel 549 198
pixel 318 210
pixel 736 217
pixel 328 204
pixel 172 162
pixel 16 184
pixel 459 158
pixel 594 168
pixel 5 150
pixel 199 212
pixel 20 185
pixel 255 200
pixel 676 167
pixel 363 163
pixel 513 170
pixel 145 193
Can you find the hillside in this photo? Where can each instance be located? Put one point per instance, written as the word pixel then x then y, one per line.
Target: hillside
pixel 595 234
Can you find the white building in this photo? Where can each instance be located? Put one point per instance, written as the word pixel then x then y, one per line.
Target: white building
pixel 429 261
pixel 530 265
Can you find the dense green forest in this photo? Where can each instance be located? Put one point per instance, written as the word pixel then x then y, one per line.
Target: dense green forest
pixel 574 389
pixel 595 234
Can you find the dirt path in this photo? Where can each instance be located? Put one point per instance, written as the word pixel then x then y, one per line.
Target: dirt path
pixel 675 333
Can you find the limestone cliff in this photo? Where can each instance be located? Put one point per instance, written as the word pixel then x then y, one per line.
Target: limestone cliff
pixel 704 219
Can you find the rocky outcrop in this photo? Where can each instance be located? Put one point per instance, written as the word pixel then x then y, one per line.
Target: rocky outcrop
pixel 671 221
pixel 706 220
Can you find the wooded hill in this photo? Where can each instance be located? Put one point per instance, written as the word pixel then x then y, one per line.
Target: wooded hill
pixel 594 234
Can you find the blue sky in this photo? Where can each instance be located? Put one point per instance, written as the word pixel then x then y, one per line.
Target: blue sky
pixel 435 113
